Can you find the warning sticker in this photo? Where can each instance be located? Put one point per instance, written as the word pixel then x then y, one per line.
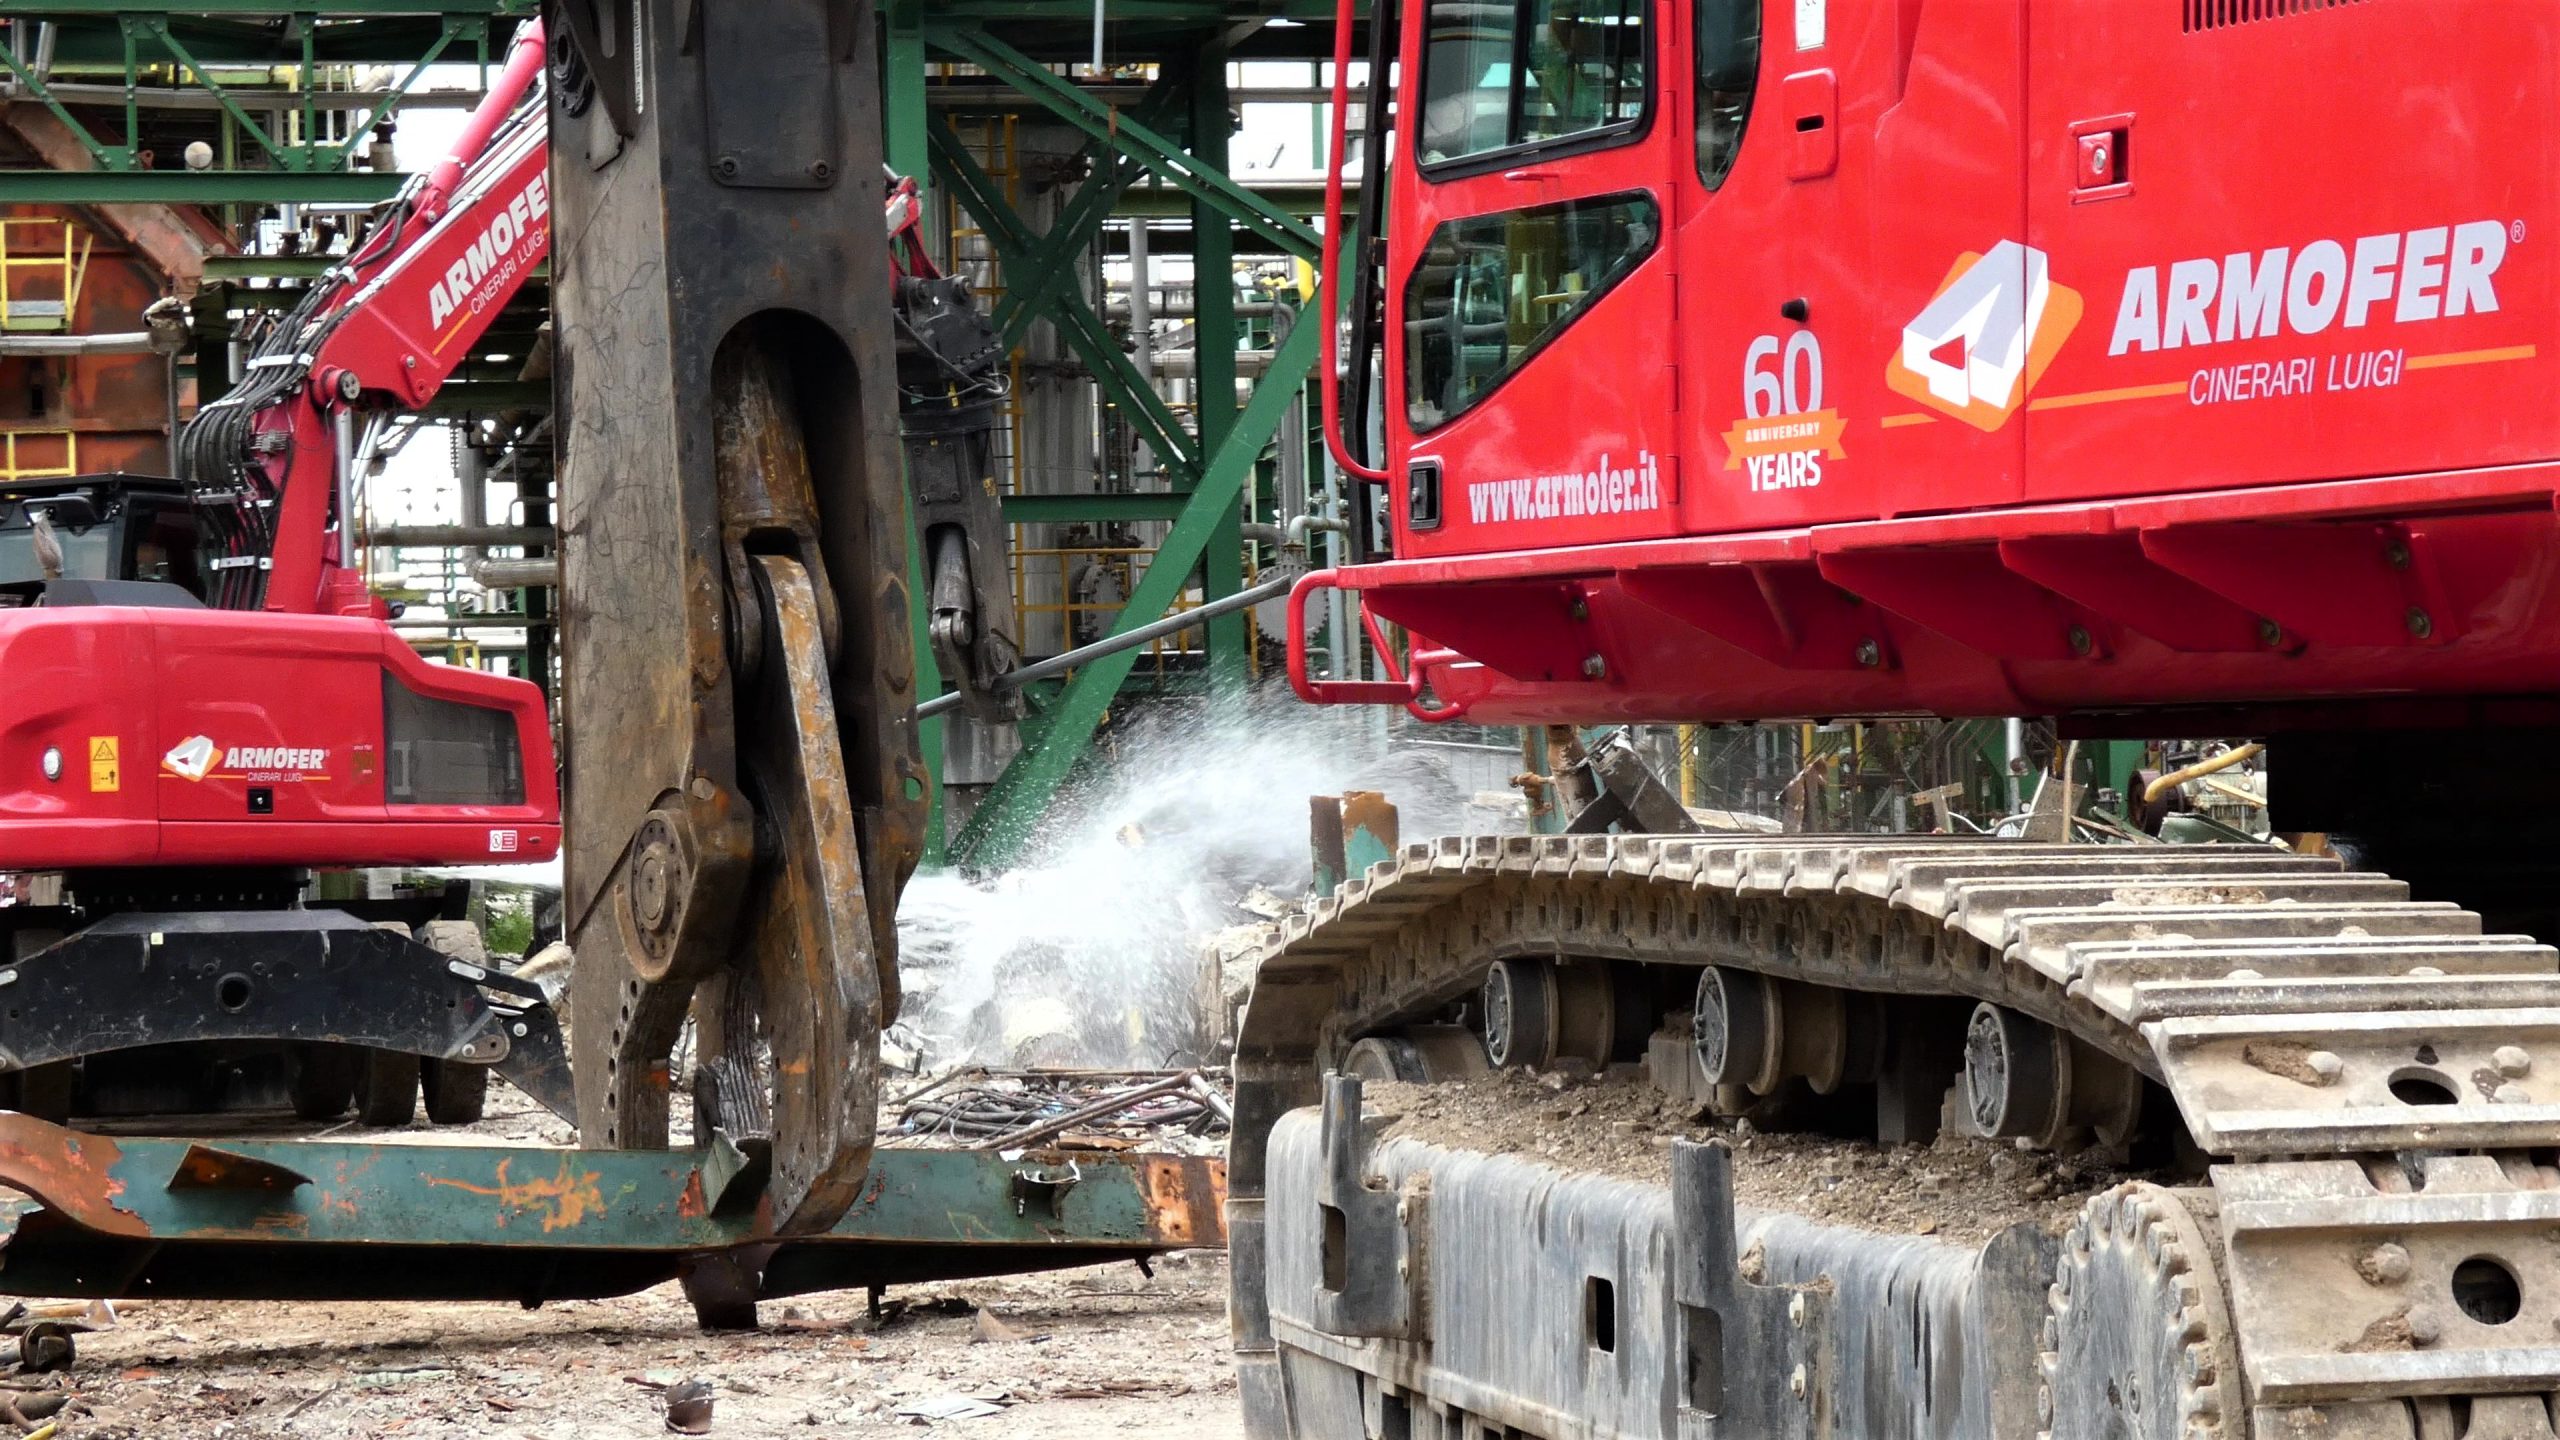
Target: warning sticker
pixel 106 769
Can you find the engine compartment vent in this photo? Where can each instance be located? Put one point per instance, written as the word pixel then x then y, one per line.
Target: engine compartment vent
pixel 2223 14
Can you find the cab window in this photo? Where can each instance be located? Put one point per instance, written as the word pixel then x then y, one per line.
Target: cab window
pixel 1490 290
pixel 1505 76
pixel 1728 73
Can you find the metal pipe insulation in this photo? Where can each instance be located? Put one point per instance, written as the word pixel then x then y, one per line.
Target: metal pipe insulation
pixel 120 342
pixel 437 537
pixel 1172 624
pixel 488 574
pixel 475 622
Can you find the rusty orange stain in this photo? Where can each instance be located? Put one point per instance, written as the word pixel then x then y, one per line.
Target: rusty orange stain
pixel 332 1200
pixel 562 1201
pixel 693 1204
pixel 68 1172
pixel 1186 1198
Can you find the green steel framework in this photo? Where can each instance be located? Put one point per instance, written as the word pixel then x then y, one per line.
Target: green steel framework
pixel 1163 154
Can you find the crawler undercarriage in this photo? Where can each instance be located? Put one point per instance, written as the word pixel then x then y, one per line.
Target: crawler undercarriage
pixel 2341 1103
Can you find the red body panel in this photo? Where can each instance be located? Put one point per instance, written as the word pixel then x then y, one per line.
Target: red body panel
pixel 2081 355
pixel 288 705
pixel 191 737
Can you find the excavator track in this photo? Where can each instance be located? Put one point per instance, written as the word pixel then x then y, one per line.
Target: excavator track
pixel 2364 1240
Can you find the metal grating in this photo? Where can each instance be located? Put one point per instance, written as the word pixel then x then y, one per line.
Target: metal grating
pixel 2223 14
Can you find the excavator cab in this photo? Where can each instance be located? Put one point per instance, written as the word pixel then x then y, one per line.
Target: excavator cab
pixel 109 527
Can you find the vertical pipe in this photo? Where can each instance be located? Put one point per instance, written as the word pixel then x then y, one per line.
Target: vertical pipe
pixel 1342 640
pixel 1142 315
pixel 1214 324
pixel 2016 763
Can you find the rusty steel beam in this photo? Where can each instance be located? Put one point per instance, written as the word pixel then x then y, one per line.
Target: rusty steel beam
pixel 312 1220
pixel 174 239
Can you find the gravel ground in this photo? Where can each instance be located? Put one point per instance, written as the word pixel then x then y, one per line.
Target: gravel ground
pixel 1070 1355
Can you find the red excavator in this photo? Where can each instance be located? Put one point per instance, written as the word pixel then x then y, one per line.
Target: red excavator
pixel 2169 367
pixel 182 759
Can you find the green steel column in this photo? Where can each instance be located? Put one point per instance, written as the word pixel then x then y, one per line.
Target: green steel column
pixel 904 119
pixel 1213 250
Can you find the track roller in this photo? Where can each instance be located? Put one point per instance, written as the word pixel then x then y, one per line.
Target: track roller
pixel 1757 1033
pixel 1539 1011
pixel 1422 1054
pixel 2025 1080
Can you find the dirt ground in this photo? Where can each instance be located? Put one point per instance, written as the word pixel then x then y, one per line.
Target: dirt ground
pixel 1071 1355
pixel 1957 1189
pixel 1090 1353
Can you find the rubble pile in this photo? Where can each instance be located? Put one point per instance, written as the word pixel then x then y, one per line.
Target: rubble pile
pixel 976 1108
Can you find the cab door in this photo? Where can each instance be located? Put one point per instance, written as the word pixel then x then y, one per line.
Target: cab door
pixel 1531 299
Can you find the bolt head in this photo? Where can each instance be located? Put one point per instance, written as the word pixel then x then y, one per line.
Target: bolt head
pixel 2270 633
pixel 2420 625
pixel 2512 1061
pixel 2078 638
pixel 53 762
pixel 2426 1326
pixel 1796 1310
pixel 1870 654
pixel 2327 1065
pixel 1799 1383
pixel 2384 1264
pixel 1594 667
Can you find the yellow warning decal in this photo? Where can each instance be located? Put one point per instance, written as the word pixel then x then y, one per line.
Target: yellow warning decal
pixel 106 769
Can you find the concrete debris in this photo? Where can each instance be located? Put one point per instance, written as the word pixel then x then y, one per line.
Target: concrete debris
pixel 993 1331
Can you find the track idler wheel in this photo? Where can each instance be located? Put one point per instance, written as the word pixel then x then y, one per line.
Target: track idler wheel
pixel 2138 1341
pixel 2025 1080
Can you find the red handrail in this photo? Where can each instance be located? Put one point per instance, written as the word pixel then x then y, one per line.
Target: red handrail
pixel 1403 685
pixel 1328 308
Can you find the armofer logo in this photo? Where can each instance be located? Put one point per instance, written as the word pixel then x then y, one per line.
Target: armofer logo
pixel 191 758
pixel 1985 339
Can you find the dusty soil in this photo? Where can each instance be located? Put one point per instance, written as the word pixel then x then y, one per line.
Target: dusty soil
pixel 1071 1355
pixel 1957 1189
pixel 1089 1353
